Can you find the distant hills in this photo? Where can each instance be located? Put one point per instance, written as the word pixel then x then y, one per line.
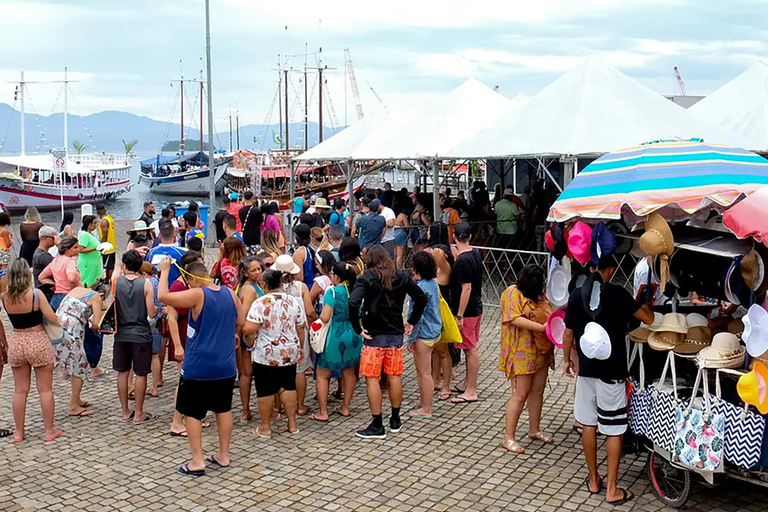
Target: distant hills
pixel 106 130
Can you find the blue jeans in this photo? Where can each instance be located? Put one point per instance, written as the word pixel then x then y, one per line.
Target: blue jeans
pixel 93 345
pixel 56 300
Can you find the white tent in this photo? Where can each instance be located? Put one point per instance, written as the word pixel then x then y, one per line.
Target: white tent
pixel 741 107
pixel 592 109
pixel 423 133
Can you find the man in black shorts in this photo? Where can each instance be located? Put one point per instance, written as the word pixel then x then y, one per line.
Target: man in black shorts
pixel 135 301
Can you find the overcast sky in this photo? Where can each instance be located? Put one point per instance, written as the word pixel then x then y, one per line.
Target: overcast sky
pixel 125 54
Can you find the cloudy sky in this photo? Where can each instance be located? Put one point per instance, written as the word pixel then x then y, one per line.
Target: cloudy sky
pixel 125 54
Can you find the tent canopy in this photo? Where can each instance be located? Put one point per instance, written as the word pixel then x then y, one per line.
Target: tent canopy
pixel 199 157
pixel 592 109
pixel 424 133
pixel 741 107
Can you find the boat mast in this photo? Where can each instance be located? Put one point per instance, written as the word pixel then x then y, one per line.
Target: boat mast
pixel 21 97
pixel 66 142
pixel 306 102
pixel 230 131
pixel 287 117
pixel 201 117
pixel 320 71
pixel 280 96
pixel 237 121
pixel 211 167
pixel 181 143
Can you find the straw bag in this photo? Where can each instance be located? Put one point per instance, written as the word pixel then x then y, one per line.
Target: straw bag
pixel 661 426
pixel 318 332
pixel 699 434
pixel 449 333
pixel 744 430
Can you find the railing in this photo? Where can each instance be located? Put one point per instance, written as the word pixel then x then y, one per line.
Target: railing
pixel 502 268
pixel 99 160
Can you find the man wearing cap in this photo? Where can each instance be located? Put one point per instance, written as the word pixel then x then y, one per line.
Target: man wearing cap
pixel 597 320
pixel 467 306
pixel 148 215
pixel 507 215
pixel 167 247
pixel 218 219
pixel 372 226
pixel 42 258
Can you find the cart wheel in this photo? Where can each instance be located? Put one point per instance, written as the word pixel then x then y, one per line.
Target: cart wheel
pixel 671 484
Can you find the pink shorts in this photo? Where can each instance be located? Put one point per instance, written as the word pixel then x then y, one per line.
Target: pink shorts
pixel 31 348
pixel 470 333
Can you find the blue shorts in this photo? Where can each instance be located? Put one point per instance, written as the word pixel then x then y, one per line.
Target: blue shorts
pixel 157 342
pixel 401 236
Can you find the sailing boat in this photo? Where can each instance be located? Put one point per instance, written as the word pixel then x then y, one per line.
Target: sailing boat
pixel 185 174
pixel 49 182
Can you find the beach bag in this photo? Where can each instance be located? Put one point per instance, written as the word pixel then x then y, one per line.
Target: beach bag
pixel 449 332
pixel 744 430
pixel 699 433
pixel 661 425
pixel 640 401
pixel 318 332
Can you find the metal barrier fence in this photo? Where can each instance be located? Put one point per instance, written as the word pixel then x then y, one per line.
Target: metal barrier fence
pixel 502 267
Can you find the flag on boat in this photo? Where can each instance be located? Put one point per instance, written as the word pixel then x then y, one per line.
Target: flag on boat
pixel 278 140
pixel 255 140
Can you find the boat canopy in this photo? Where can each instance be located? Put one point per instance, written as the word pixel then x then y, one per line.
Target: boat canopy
pixel 39 163
pixel 199 158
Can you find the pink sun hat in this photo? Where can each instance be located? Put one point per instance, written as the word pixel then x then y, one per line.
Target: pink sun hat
pixel 579 242
pixel 556 327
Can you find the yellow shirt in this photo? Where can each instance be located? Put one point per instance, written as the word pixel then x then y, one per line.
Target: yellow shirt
pixel 110 234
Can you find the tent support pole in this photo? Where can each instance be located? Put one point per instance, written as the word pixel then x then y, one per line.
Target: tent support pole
pixel 435 189
pixel 514 175
pixel 293 196
pixel 350 187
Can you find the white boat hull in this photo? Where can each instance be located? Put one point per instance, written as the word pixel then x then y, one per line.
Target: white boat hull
pixel 192 183
pixel 46 198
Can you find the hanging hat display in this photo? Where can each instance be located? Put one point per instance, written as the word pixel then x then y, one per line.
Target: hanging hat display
pixel 669 333
pixel 658 241
pixel 736 290
pixel 595 343
pixel 556 240
pixel 755 334
pixel 623 243
pixel 685 272
pixel 641 334
pixel 579 242
pixel 752 270
pixel 753 387
pixel 557 286
pixel 603 242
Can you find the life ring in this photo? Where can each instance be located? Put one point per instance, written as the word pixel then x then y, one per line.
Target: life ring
pixel 80 196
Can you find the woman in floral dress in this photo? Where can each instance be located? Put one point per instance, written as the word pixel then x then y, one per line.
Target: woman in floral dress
pixel 343 345
pixel 78 307
pixel 524 311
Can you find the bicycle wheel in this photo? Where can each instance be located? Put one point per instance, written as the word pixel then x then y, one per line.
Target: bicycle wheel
pixel 672 485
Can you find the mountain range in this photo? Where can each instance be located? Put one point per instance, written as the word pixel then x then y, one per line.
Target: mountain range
pixel 105 131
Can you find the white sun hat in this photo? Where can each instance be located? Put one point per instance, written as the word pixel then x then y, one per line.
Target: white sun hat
pixel 557 286
pixel 595 342
pixel 755 333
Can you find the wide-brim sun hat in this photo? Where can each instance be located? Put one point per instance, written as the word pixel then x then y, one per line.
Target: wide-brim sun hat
pixel 579 241
pixel 672 322
pixel 752 270
pixel 556 328
pixel 641 334
pixel 657 238
pixel 755 335
pixel 138 225
pixel 724 352
pixel 696 320
pixel 665 341
pixel 321 202
pixel 697 338
pixel 557 286
pixel 595 343
pixel 753 387
pixel 284 263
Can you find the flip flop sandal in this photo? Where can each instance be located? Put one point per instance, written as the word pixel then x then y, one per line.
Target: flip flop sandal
pixel 147 418
pixel 338 411
pixel 5 432
pixel 184 470
pixel 578 429
pixel 512 446
pixel 626 496
pixel 544 438
pixel 212 459
pixel 294 432
pixel 82 414
pixel 460 400
pixel 313 417
pixel 444 396
pixel 130 417
pixel 307 410
pixel 179 434
pixel 456 389
pixel 86 405
pixel 599 488
pixel 55 436
pixel 257 431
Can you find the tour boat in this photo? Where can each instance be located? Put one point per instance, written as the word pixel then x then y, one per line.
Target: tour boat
pixel 35 180
pixel 186 175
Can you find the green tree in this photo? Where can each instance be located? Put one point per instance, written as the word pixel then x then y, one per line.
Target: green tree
pixel 79 146
pixel 129 145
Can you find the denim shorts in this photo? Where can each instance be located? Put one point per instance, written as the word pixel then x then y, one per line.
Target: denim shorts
pixel 157 342
pixel 401 236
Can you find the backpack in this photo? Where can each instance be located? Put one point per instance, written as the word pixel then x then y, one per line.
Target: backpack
pixel 229 276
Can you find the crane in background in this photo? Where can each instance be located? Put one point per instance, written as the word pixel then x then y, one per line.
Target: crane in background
pixel 679 83
pixel 353 84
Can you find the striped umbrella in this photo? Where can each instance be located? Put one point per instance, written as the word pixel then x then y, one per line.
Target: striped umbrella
pixel 677 179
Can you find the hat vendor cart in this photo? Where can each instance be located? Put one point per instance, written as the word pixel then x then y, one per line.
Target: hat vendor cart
pixel 685 209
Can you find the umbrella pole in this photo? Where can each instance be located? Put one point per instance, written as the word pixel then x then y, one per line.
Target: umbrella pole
pixel 435 189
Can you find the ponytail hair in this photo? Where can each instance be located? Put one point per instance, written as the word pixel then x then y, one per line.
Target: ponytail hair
pixel 345 272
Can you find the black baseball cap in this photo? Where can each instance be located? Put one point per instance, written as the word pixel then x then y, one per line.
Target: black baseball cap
pixel 461 230
pixel 374 205
pixel 302 231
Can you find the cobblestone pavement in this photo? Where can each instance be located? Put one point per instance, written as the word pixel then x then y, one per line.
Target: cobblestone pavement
pixel 451 462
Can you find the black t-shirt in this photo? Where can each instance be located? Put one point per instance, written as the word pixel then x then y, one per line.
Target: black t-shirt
pixel 617 309
pixel 251 219
pixel 218 221
pixel 468 268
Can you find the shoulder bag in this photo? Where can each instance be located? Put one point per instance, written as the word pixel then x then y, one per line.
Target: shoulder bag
pixel 54 331
pixel 640 401
pixel 449 332
pixel 318 332
pixel 661 425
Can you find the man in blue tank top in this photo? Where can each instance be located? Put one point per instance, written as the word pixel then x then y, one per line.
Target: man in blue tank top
pixel 209 368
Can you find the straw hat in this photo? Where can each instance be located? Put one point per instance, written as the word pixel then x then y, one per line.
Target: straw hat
pixel 672 322
pixel 579 242
pixel 321 202
pixel 138 225
pixel 284 263
pixel 696 320
pixel 753 387
pixel 665 340
pixel 755 333
pixel 595 343
pixel 657 238
pixel 556 328
pixel 735 326
pixel 557 286
pixel 752 270
pixel 641 334
pixel 697 339
pixel 724 352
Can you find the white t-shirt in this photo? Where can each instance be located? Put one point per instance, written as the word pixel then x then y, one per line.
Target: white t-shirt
pixel 641 278
pixel 388 215
pixel 155 226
